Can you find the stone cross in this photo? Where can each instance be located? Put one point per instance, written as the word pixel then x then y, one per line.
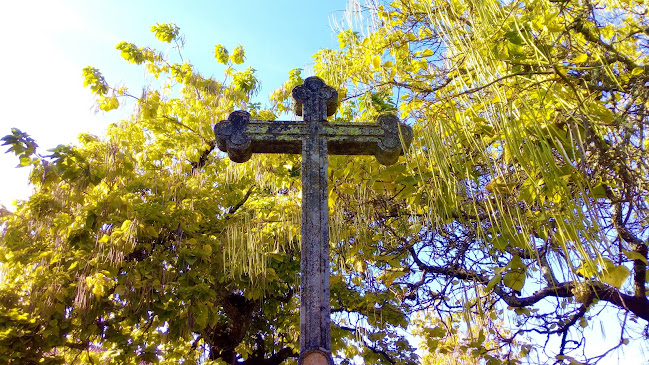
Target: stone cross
pixel 240 137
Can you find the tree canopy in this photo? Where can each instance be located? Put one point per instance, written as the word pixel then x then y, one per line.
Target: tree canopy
pixel 516 222
pixel 527 186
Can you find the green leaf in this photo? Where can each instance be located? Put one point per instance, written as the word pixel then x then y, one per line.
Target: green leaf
pixel 493 282
pixel 389 277
pixel 517 264
pixel 93 78
pixel 221 54
pixel 131 52
pixel 615 276
pixel 120 290
pixel 165 32
pixel 637 71
pixel 238 55
pixel 108 103
pixel 25 161
pixel 207 249
pixel 200 316
pixel 601 112
pixel 514 280
pixel 437 331
pixel 500 242
pixel 587 269
pixel 598 191
pixel 376 61
pixel 501 51
pixel 581 58
pixel 126 225
pixel 633 255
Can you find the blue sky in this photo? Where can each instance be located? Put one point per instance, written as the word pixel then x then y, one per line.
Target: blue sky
pixel 48 42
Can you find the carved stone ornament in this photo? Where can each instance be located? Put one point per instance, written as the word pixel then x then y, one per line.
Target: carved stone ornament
pixel 231 136
pixel 323 99
pixel 388 147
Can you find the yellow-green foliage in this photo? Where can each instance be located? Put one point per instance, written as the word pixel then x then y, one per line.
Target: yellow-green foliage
pixel 529 167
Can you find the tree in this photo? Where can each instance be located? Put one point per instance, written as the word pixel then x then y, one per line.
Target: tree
pixel 147 246
pixel 525 193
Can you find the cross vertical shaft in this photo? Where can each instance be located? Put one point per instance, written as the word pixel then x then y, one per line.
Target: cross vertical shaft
pixel 314 302
pixel 315 342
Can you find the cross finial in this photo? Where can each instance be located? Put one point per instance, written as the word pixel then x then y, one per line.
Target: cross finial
pixel 231 136
pixel 315 100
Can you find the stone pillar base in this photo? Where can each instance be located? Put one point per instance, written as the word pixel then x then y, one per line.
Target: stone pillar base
pixel 316 357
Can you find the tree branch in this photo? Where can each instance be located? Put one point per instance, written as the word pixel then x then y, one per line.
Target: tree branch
pixel 204 156
pixel 370 347
pixel 633 304
pixel 233 209
pixel 589 36
pixel 638 246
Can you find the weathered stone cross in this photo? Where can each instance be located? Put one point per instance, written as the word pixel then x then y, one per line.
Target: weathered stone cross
pixel 240 137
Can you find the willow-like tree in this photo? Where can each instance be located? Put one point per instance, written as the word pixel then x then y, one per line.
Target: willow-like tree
pixel 525 195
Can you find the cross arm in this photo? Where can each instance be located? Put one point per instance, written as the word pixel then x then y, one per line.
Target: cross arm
pixel 240 137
